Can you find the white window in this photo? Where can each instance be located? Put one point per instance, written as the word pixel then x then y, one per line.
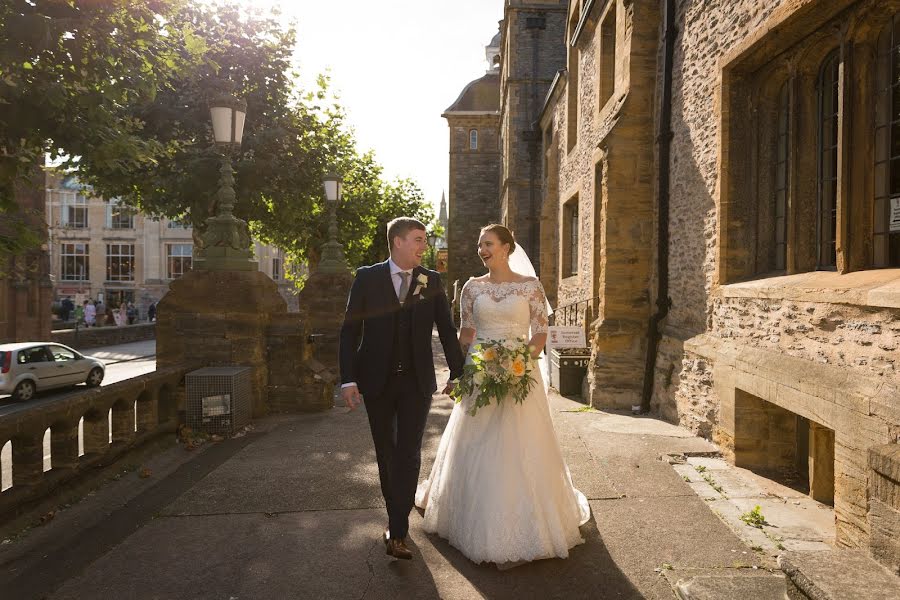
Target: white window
pixel 120 262
pixel 179 224
pixel 473 139
pixel 74 210
pixel 74 262
pixel 179 259
pixel 119 216
pixel 276 269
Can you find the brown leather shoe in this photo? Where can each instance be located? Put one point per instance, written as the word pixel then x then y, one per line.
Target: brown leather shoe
pixel 398 549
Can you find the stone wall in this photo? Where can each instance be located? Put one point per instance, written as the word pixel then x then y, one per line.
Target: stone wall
pixel 94 337
pixel 604 162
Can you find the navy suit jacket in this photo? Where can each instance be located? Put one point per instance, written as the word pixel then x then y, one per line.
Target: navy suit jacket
pixel 367 335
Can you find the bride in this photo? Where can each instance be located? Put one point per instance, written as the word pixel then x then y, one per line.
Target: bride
pixel 499 490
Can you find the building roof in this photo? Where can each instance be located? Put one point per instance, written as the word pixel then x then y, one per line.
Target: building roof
pixel 481 95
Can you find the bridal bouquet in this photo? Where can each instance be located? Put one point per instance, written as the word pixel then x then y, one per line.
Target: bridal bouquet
pixel 498 370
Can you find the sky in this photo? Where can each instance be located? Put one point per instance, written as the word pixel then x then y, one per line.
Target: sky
pixel 396 65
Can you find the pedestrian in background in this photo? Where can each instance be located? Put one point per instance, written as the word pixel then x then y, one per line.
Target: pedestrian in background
pixel 79 314
pixel 132 313
pixel 151 312
pixel 90 313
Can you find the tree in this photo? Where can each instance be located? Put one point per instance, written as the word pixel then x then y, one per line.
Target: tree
pixel 69 73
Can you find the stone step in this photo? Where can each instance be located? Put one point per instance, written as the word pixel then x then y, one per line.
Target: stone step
pixel 837 575
pixel 720 587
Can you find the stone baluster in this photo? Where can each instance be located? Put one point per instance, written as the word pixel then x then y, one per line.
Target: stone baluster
pixel 123 422
pixel 96 433
pixel 28 459
pixel 64 445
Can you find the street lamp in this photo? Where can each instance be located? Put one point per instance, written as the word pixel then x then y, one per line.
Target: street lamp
pixel 226 241
pixel 333 260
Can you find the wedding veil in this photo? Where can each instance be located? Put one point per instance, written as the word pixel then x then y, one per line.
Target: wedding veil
pixel 521 264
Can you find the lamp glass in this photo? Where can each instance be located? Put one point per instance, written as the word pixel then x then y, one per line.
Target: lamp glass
pixel 333 186
pixel 239 117
pixel 221 121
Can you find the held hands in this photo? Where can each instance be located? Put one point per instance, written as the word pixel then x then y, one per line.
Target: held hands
pixel 449 387
pixel 351 396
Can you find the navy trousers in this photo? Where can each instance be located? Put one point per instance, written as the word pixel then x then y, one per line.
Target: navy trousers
pixel 397 420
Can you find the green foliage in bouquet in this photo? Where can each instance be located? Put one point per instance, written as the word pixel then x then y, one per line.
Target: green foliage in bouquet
pixel 499 369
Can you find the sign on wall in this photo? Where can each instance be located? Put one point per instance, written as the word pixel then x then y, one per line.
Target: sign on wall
pixel 441 260
pixel 562 336
pixel 894 225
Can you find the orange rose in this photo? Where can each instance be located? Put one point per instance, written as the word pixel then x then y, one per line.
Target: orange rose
pixel 490 354
pixel 518 367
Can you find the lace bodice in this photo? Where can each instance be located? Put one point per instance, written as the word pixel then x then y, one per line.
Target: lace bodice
pixel 503 310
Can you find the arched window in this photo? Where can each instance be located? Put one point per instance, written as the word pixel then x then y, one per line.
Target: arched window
pixel 473 139
pixel 782 175
pixel 826 215
pixel 886 230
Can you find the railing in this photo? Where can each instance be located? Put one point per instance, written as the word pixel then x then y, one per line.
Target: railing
pixel 55 440
pixel 577 313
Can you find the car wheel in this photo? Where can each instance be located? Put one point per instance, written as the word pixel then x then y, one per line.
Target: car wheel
pixel 95 377
pixel 24 391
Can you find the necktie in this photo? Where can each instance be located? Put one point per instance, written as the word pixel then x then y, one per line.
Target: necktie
pixel 404 285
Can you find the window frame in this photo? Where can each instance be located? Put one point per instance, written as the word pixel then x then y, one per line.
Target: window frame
pixel 120 267
pixel 473 139
pixel 827 263
pixel 64 274
pixel 179 259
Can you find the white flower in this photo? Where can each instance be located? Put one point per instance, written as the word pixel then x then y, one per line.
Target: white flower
pixel 422 278
pixel 478 378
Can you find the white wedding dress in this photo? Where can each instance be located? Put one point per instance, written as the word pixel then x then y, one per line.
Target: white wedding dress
pixel 499 490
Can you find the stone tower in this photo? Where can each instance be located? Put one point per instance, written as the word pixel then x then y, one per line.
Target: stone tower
pixel 474 169
pixel 534 50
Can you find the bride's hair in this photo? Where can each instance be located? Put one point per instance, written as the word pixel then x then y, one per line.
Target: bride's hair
pixel 501 231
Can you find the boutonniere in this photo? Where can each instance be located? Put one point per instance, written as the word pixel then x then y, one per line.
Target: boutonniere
pixel 421 284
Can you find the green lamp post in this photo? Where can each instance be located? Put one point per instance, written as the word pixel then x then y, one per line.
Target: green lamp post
pixel 226 241
pixel 333 260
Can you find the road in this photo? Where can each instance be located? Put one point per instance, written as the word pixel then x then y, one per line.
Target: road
pixel 122 362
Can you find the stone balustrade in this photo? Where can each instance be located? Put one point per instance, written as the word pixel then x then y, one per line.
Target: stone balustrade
pixel 87 427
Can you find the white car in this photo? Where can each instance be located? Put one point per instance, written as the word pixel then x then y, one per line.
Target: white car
pixel 27 367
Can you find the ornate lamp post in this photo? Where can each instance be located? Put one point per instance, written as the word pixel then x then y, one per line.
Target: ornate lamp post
pixel 333 260
pixel 226 241
pixel 432 250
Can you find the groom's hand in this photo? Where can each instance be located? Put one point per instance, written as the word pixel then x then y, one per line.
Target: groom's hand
pixel 449 387
pixel 351 396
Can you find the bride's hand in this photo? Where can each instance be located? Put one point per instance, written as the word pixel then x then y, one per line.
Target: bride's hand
pixel 449 387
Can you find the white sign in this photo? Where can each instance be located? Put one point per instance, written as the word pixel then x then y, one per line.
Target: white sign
pixel 215 406
pixel 561 336
pixel 895 215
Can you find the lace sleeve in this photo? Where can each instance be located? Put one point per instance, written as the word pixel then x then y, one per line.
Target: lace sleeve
pixel 537 303
pixel 467 307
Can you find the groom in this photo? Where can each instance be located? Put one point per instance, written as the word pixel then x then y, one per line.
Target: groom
pixel 386 356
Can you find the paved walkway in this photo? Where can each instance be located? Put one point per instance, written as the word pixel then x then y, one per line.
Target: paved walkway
pixel 292 509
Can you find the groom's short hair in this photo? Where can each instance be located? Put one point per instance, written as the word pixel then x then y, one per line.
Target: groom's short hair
pixel 400 227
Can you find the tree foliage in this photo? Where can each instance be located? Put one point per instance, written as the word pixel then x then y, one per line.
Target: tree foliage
pixel 127 86
pixel 68 72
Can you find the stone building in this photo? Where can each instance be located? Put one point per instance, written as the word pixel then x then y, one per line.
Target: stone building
pixel 721 201
pixel 25 283
pixel 531 56
pixel 598 130
pixel 99 249
pixel 474 169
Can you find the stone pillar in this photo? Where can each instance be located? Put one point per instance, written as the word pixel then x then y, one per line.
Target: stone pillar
pixel 96 433
pixel 64 445
pixel 123 422
pixel 28 460
pixel 147 412
pixel 323 301
pixel 821 463
pixel 219 318
pixel 765 435
pixel 297 382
